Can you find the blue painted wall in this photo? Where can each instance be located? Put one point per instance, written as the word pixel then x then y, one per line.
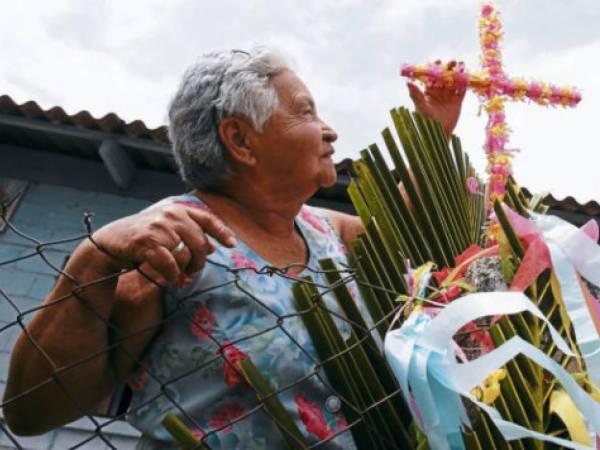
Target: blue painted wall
pixel 50 213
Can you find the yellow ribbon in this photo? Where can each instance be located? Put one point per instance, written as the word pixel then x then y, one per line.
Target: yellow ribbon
pixel 562 405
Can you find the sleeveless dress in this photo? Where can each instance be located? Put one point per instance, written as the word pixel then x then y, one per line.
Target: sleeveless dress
pixel 233 315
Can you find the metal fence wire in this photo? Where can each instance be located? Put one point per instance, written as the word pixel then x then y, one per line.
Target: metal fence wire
pixel 361 414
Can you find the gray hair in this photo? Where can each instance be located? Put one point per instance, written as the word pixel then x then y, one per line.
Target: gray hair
pixel 220 84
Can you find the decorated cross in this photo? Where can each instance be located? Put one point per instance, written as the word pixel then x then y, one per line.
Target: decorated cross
pixel 493 86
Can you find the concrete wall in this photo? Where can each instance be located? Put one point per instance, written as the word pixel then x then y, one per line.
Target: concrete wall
pixel 50 213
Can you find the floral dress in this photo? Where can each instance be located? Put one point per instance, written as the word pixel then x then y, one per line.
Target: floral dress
pixel 222 317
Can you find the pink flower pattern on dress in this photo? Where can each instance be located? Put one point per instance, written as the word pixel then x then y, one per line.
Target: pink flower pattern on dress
pixel 312 417
pixel 313 220
pixel 241 261
pixel 232 356
pixel 139 380
pixel 224 416
pixel 198 433
pixel 203 323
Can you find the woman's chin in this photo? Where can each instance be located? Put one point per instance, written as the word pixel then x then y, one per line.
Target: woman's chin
pixel 329 178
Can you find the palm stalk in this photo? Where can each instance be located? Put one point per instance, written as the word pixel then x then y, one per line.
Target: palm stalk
pixel 182 434
pixel 265 392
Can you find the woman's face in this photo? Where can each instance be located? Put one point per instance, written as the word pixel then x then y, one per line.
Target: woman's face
pixel 295 148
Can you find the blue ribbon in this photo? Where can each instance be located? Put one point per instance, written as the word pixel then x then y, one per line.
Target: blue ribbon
pixel 422 358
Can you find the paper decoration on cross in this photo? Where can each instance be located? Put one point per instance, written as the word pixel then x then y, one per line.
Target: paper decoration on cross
pixel 494 87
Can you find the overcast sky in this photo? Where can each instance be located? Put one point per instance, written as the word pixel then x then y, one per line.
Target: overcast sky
pixel 127 56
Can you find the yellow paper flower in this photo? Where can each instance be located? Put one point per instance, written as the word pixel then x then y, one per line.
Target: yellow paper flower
pixel 496 104
pixel 494 231
pixel 498 130
pixel 489 391
pixel 499 158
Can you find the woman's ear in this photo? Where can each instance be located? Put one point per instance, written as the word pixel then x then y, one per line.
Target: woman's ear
pixel 233 132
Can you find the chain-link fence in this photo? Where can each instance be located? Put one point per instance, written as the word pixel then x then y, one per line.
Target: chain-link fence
pixel 348 413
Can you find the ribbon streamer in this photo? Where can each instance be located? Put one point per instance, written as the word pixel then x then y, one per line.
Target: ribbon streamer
pixel 568 249
pixel 572 251
pixel 421 356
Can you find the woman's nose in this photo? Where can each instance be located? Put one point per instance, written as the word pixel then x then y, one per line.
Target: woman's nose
pixel 329 134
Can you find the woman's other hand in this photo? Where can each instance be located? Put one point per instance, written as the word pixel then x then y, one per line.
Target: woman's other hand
pixel 152 240
pixel 439 103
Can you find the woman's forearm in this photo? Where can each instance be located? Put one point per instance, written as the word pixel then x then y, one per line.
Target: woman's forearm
pixel 60 367
pixel 96 321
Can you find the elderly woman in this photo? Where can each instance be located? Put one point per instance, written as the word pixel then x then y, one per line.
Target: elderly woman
pixel 247 137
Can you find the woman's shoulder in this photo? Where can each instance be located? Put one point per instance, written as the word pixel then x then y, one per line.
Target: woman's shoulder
pixel 320 232
pixel 186 199
pixel 346 227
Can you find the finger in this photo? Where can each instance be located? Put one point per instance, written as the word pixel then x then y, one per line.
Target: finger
pixel 449 94
pixel 163 262
pixel 415 94
pixel 185 257
pixel 193 257
pixel 445 94
pixel 213 226
pixel 435 94
pixel 436 91
pixel 151 274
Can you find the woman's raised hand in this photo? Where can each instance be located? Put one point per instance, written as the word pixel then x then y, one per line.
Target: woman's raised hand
pixel 152 240
pixel 441 103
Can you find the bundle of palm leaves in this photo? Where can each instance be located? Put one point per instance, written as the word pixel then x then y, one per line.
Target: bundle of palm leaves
pixel 439 221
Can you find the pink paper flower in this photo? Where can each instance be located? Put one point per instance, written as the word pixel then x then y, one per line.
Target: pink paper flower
pixel 473 186
pixel 487 10
pixel 482 337
pixel 535 91
pixel 407 70
pixel 452 292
